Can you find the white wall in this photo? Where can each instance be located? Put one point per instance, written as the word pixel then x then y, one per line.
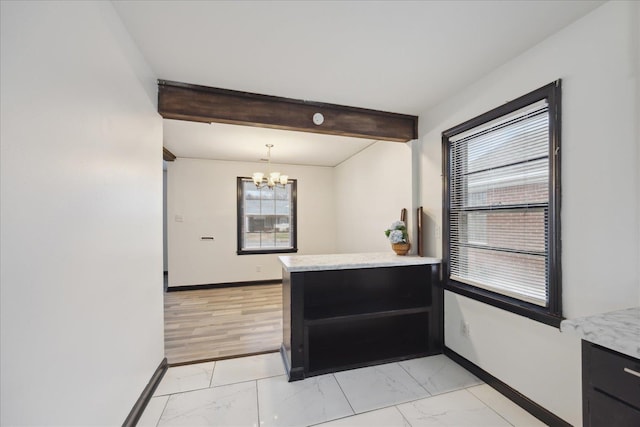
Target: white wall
pixel 371 188
pixel 204 194
pixel 81 188
pixel 597 59
pixel 636 51
pixel 165 257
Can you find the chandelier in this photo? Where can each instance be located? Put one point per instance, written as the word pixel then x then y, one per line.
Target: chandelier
pixel 271 179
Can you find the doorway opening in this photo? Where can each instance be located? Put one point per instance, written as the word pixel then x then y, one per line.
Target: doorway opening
pixel 211 324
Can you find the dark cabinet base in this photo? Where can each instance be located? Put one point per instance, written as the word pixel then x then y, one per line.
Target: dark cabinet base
pixel 360 342
pixel 610 388
pixel 344 319
pixel 605 411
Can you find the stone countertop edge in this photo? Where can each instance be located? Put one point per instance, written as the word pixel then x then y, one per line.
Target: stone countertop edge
pixel 297 263
pixel 616 330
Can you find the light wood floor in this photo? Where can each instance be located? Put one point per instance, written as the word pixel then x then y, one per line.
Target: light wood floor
pixel 212 324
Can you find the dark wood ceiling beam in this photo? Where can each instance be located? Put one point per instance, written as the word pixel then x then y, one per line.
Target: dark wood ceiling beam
pixel 168 155
pixel 182 101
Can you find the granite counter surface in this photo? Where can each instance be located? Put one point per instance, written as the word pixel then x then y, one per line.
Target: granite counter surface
pixel 617 330
pixel 298 263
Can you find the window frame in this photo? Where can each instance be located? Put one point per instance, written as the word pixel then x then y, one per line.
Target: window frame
pixel 240 220
pixel 552 314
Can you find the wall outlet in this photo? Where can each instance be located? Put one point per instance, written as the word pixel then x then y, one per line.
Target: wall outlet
pixel 438 232
pixel 465 329
pixel 258 268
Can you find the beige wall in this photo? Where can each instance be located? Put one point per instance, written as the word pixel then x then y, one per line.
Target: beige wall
pixel 342 209
pixel 371 189
pixel 204 194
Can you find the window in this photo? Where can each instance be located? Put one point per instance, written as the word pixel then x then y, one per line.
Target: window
pixel 502 206
pixel 266 218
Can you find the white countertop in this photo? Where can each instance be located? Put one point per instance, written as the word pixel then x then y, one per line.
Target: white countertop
pixel 297 263
pixel 616 330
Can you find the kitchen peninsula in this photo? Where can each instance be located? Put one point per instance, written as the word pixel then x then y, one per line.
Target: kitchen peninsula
pixel 343 311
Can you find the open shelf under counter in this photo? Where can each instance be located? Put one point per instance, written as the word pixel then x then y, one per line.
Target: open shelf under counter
pixel 362 342
pixel 346 313
pixel 343 311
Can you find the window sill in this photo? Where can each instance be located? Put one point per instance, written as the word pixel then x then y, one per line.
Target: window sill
pixel 267 251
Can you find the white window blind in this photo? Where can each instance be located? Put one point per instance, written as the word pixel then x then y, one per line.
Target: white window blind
pixel 499 205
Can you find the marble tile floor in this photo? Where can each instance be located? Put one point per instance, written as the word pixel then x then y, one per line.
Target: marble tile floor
pixel 253 391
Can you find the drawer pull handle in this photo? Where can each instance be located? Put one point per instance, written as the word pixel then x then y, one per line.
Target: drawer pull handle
pixel 632 372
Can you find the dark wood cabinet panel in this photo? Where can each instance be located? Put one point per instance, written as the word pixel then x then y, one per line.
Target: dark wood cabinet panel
pixel 343 319
pixel 610 387
pixel 612 373
pixel 340 293
pixel 605 411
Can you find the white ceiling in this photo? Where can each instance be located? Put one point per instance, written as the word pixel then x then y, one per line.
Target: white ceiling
pixel 246 143
pixel 398 56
